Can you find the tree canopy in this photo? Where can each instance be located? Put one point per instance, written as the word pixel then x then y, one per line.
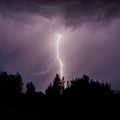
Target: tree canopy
pixel 12 85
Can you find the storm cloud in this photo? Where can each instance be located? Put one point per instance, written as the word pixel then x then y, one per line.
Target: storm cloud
pixel 90 42
pixel 74 12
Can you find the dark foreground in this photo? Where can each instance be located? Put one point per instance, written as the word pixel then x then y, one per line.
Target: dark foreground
pixel 59 108
pixel 81 99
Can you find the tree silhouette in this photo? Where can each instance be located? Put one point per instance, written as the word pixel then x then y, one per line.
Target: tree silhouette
pixel 56 88
pixel 10 84
pixel 30 88
pixel 33 104
pixel 102 89
pixel 87 87
pixel 3 80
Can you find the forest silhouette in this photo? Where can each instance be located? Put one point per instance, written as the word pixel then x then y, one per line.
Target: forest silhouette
pixel 12 85
pixel 59 95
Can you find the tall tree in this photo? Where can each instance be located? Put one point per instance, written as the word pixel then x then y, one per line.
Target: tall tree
pixel 30 88
pixel 56 88
pixel 10 84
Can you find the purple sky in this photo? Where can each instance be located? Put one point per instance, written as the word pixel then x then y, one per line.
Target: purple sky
pixel 90 43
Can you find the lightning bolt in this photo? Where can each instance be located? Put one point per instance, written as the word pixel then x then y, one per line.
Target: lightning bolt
pixel 57 58
pixel 58 55
pixel 46 71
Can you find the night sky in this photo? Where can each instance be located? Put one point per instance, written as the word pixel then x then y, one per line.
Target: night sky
pixel 90 41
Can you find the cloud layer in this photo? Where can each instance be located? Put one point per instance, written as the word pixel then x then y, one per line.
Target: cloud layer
pixel 74 12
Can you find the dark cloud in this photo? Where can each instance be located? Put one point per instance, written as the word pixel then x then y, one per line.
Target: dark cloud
pixel 74 12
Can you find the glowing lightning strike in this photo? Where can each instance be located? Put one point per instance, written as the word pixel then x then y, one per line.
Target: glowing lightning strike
pixel 46 71
pixel 58 55
pixel 57 58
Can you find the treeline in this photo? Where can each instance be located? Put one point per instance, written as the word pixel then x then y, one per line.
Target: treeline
pixel 12 85
pixel 61 100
